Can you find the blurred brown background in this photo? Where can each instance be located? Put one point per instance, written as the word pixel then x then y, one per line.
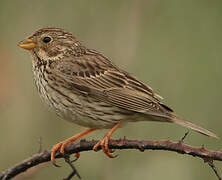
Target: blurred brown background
pixel 174 46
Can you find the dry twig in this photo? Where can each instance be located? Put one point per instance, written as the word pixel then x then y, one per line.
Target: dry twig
pixel 84 145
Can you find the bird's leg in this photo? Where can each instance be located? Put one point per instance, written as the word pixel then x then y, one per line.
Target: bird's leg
pixel 104 142
pixel 63 144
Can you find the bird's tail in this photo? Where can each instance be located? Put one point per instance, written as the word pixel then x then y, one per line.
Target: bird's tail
pixel 190 125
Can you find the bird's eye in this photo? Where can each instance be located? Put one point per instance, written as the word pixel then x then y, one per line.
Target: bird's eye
pixel 46 39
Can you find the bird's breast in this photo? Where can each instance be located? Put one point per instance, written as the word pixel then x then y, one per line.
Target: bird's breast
pixel 72 106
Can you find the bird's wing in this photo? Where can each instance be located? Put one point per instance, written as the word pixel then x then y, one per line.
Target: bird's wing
pixel 99 78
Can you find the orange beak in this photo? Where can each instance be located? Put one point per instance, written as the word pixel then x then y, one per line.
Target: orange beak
pixel 27 44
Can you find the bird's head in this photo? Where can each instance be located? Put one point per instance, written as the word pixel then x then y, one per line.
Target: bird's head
pixel 51 43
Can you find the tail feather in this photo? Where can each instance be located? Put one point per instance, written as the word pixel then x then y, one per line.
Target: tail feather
pixel 195 127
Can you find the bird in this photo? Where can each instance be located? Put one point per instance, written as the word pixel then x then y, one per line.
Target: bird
pixel 86 88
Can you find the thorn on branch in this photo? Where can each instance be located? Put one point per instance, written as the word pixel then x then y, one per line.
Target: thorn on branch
pixel 202 148
pixel 183 138
pixel 141 147
pixel 124 138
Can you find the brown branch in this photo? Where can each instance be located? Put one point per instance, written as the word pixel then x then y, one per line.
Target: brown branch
pixel 84 145
pixel 211 164
pixel 74 171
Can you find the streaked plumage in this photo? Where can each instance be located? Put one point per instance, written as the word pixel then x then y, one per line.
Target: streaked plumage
pixel 86 88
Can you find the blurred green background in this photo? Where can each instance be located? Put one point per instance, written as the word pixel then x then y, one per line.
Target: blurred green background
pixel 174 46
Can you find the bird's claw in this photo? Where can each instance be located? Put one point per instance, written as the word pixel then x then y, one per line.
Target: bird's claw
pixel 56 165
pixel 61 146
pixel 104 144
pixel 77 155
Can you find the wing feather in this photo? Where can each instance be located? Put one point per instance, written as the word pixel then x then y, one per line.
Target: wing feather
pixel 100 79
